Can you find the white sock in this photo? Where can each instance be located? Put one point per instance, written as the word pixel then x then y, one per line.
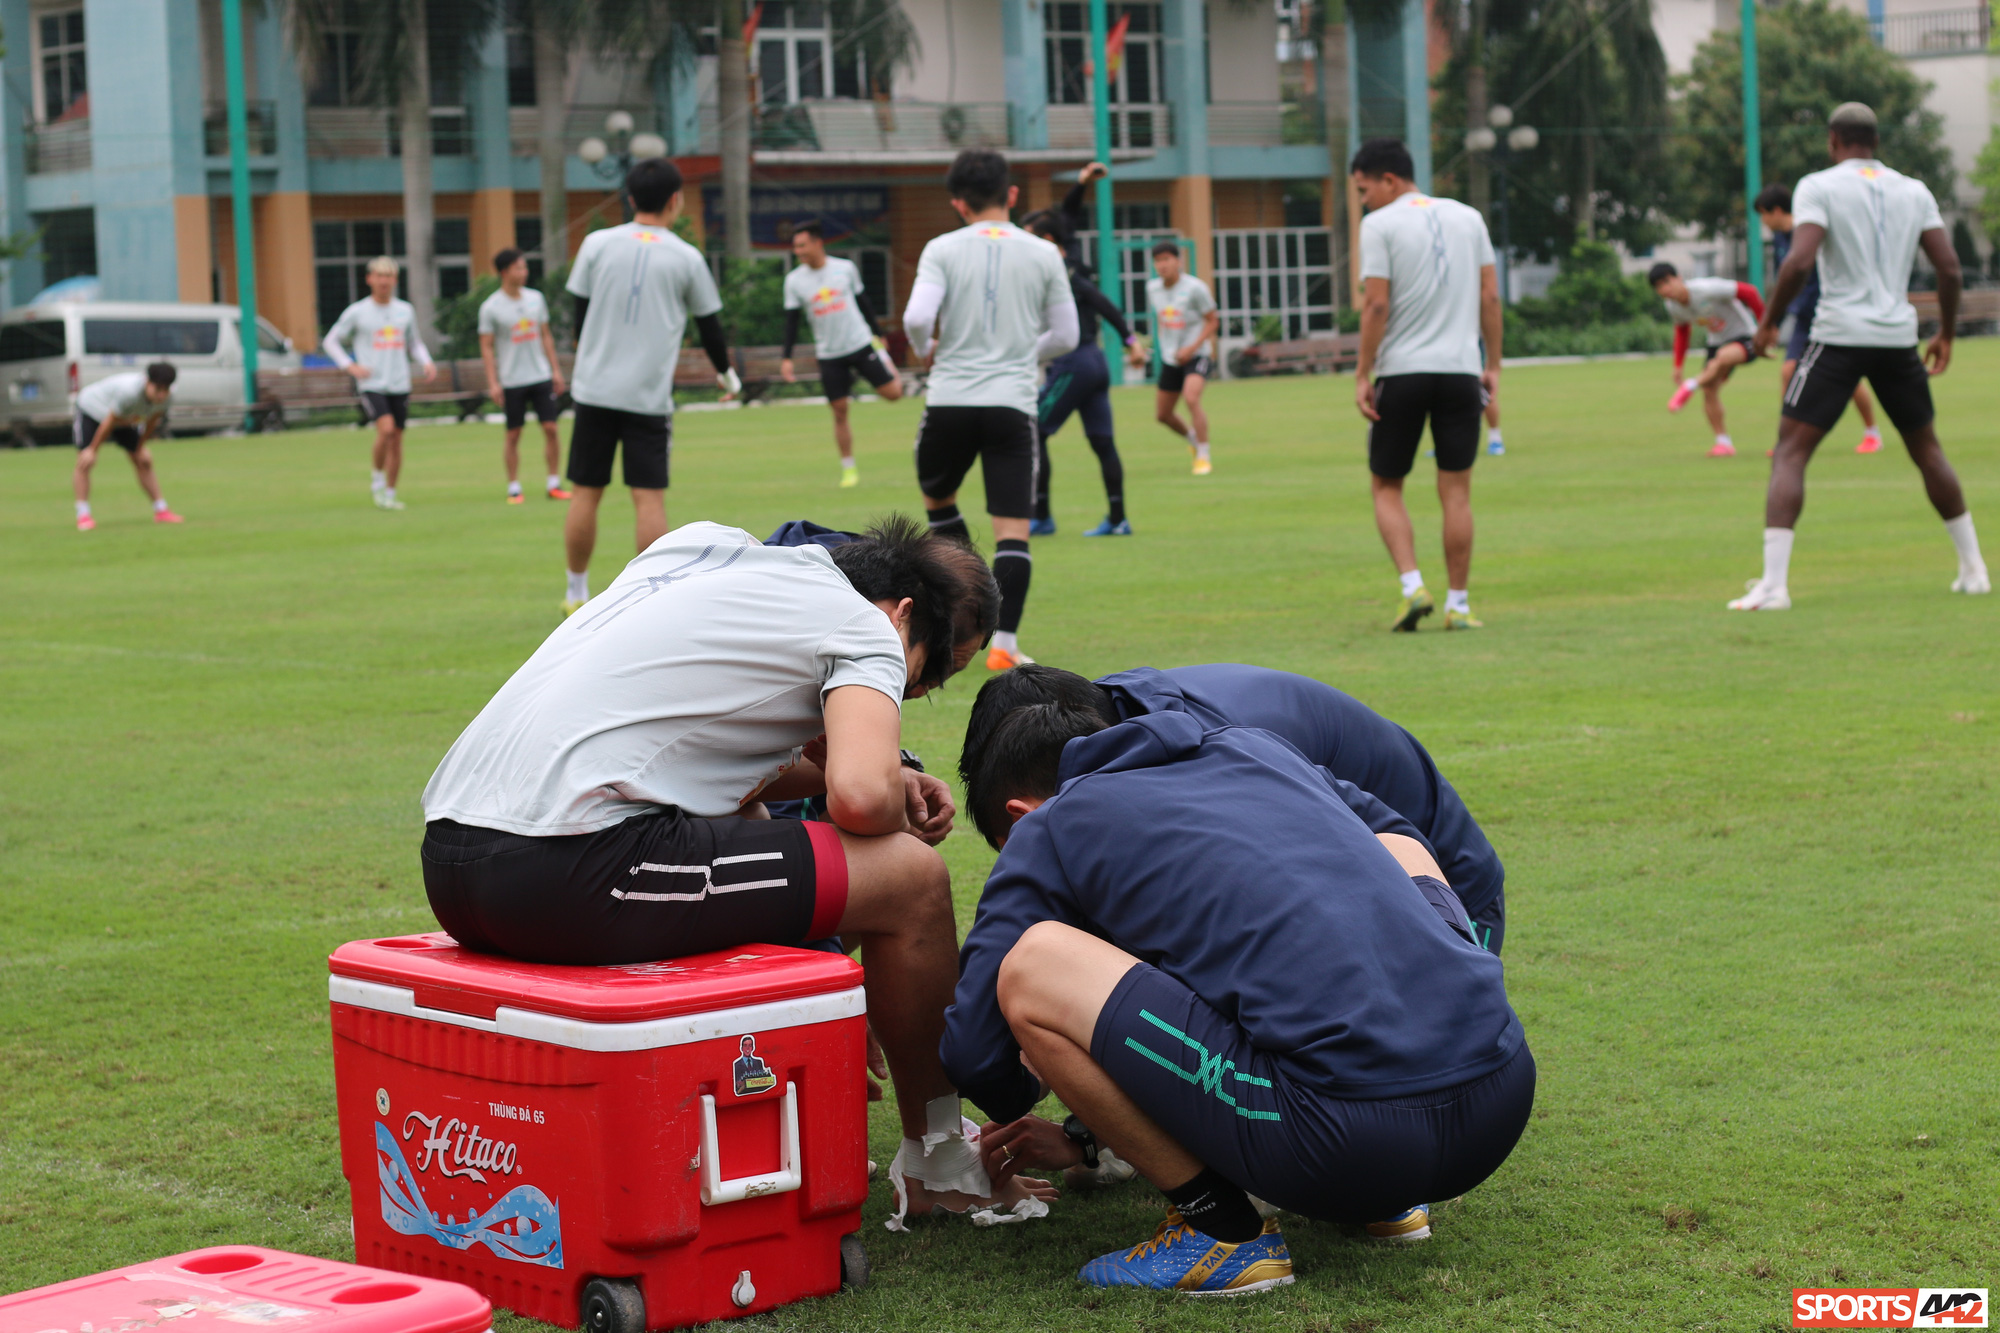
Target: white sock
pixel 378 480
pixel 1201 448
pixel 1457 599
pixel 389 492
pixel 847 462
pixel 1966 540
pixel 513 488
pixel 160 505
pixel 1493 436
pixel 1876 431
pixel 1411 582
pixel 555 482
pixel 83 509
pixel 1690 384
pixel 1777 556
pixel 1724 439
pixel 579 586
pixel 1005 641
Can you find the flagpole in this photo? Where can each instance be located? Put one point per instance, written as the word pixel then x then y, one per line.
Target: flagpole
pixel 239 195
pixel 1108 273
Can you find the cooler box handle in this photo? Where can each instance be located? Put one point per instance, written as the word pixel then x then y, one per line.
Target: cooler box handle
pixel 788 1176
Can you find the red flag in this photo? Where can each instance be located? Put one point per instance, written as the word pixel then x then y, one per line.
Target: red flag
pixel 750 24
pixel 1114 46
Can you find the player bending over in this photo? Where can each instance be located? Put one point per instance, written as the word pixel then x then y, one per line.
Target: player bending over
pixel 846 339
pixel 383 328
pixel 1861 223
pixel 1192 939
pixel 1729 312
pixel 605 806
pixel 998 300
pixel 522 370
pixel 1774 208
pixel 1185 321
pixel 129 410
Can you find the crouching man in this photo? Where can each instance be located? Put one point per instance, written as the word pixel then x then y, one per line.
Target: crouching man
pixel 606 806
pixel 1192 940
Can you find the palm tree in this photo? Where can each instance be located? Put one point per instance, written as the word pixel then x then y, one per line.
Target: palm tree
pixel 401 46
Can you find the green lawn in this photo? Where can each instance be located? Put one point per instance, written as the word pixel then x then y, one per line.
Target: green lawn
pixel 1751 859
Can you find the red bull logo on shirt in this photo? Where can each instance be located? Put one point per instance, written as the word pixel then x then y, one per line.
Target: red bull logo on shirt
pixel 388 338
pixel 525 330
pixel 647 237
pixel 995 232
pixel 826 301
pixel 1172 317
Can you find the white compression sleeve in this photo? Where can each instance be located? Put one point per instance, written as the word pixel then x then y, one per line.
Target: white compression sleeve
pixel 1062 331
pixel 336 352
pixel 920 316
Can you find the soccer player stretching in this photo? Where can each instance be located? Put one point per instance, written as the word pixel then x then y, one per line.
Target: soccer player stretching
pixel 1184 323
pixel 845 336
pixel 1862 223
pixel 521 368
pixel 1729 312
pixel 129 410
pixel 1774 207
pixel 635 287
pixel 1430 312
pixel 383 329
pixel 1006 308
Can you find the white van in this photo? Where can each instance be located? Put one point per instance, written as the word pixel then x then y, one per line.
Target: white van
pixel 49 352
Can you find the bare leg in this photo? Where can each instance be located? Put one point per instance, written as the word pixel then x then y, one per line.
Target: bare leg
pixel 580 526
pixel 1787 495
pixel 1053 985
pixel 551 449
pixel 1392 520
pixel 1720 366
pixel 843 434
pixel 510 453
pixel 1197 415
pixel 1455 498
pixel 649 515
pixel 1164 404
pixel 86 459
pixel 149 482
pixel 891 391
pixel 1865 405
pixel 1940 482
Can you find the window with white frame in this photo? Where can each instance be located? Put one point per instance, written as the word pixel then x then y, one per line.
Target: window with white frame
pixel 793 42
pixel 1274 279
pixel 337 80
pixel 1137 80
pixel 341 251
pixel 63 66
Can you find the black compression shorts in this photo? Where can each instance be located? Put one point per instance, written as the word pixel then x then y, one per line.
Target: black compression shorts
pixel 594 440
pixel 1452 404
pixel 837 374
pixel 84 427
pixel 517 401
pixel 1174 376
pixel 375 406
pixel 1827 376
pixel 1002 439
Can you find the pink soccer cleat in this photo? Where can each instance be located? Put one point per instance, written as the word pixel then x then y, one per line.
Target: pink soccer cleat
pixel 1722 449
pixel 167 516
pixel 85 523
pixel 1871 443
pixel 1681 396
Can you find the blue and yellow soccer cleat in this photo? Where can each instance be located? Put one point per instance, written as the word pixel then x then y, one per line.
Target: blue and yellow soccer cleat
pixel 1409 1225
pixel 1179 1258
pixel 1412 609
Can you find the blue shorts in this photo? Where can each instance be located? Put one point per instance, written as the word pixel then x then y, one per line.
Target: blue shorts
pixel 1079 382
pixel 1241 1111
pixel 1795 346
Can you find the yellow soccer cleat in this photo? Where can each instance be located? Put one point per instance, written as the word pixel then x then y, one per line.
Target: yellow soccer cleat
pixel 1410 610
pixel 1412 1224
pixel 1462 620
pixel 850 477
pixel 570 607
pixel 1202 466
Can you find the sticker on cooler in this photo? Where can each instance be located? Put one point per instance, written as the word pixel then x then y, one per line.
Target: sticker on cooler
pixel 524 1224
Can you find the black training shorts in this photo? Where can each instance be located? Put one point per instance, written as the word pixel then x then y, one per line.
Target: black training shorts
pixel 85 429
pixel 375 406
pixel 1748 345
pixel 1451 403
pixel 1827 376
pixel 837 373
pixel 595 437
pixel 1001 438
pixel 1174 376
pixel 659 885
pixel 541 397
pixel 1244 1112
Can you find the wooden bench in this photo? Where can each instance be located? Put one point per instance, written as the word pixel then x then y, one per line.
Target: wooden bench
pixel 1299 356
pixel 1977 306
pixel 315 388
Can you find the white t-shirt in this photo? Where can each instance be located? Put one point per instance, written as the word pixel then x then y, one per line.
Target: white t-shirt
pixel 516 326
pixel 830 296
pixel 1714 304
pixel 1873 217
pixel 385 337
pixel 1431 251
pixel 692 681
pixel 999 283
pixel 644 284
pixel 1177 314
pixel 121 396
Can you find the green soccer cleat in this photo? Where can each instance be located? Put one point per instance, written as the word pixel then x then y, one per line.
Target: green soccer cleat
pixel 1412 609
pixel 1462 620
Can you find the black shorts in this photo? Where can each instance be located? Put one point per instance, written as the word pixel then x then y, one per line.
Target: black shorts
pixel 595 437
pixel 656 886
pixel 125 437
pixel 1240 1111
pixel 836 374
pixel 1173 377
pixel 1746 344
pixel 1452 403
pixel 1827 377
pixel 541 397
pixel 375 406
pixel 1001 438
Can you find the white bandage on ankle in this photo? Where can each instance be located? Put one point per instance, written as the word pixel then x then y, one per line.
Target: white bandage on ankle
pixel 946 1158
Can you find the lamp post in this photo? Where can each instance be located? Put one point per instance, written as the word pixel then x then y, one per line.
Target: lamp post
pixel 1486 139
pixel 612 160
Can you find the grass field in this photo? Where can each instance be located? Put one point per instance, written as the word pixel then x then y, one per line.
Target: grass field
pixel 1751 859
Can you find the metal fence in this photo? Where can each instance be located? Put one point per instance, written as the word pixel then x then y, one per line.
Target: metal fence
pixel 1281 274
pixel 1936 32
pixel 261 120
pixel 64 146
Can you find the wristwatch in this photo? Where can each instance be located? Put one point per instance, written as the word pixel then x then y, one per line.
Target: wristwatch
pixel 910 760
pixel 1079 1133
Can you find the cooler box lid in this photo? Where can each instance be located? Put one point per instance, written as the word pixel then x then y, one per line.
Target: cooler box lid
pixel 236 1288
pixel 626 1006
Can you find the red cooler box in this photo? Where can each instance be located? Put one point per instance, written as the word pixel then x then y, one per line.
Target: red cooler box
pixel 632 1147
pixel 232 1288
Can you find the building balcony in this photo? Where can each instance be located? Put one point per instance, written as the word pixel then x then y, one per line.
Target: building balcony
pixel 586 120
pixel 1266 124
pixel 261 120
pixel 372 131
pixel 1147 125
pixel 1936 32
pixel 63 146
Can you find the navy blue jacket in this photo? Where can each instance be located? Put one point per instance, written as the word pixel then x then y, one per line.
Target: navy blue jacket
pixel 1348 739
pixel 1807 301
pixel 1228 861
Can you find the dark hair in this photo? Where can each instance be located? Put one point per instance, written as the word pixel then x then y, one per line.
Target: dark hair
pixel 1022 759
pixel 162 373
pixel 812 229
pixel 1383 157
pixel 1660 272
pixel 900 557
pixel 1773 197
pixel 652 182
pixel 1853 135
pixel 978 179
pixel 978 610
pixel 1020 687
pixel 1167 248
pixel 1050 224
pixel 506 259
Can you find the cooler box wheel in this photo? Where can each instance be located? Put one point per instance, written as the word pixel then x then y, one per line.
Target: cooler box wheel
pixel 853 1264
pixel 613 1305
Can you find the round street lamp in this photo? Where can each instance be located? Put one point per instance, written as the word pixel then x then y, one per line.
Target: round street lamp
pixel 1524 139
pixel 1480 140
pixel 1520 139
pixel 611 157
